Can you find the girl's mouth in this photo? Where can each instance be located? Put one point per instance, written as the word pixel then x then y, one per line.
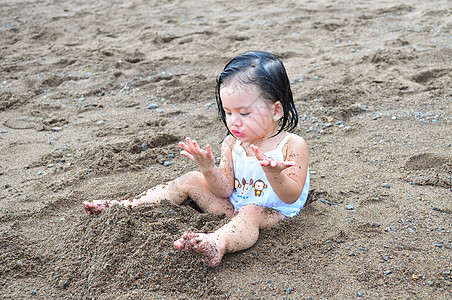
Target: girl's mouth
pixel 236 133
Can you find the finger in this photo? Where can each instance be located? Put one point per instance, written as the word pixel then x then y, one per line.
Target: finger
pixel 198 149
pixel 183 145
pixel 194 147
pixel 264 163
pixel 187 154
pixel 186 148
pixel 195 144
pixel 189 142
pixel 273 163
pixel 257 152
pixel 208 150
pixel 290 163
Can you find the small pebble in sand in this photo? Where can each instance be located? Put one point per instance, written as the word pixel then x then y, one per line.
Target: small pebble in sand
pixel 64 284
pixel 386 185
pixel 325 201
pixel 152 106
pixel 349 207
pixel 166 163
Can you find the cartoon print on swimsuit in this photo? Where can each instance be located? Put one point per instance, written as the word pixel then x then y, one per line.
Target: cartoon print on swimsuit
pixel 246 187
pixel 236 184
pixel 259 187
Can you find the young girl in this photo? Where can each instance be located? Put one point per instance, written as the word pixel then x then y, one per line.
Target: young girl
pixel 263 173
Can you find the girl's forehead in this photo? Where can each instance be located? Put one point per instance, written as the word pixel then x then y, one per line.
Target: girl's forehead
pixel 238 96
pixel 238 91
pixel 236 86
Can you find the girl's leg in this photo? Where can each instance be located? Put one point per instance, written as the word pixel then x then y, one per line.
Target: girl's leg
pixel 176 191
pixel 240 233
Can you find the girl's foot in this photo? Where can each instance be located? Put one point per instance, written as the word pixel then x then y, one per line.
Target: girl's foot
pixel 96 206
pixel 208 246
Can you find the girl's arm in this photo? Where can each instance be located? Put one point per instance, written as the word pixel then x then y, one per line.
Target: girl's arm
pixel 219 179
pixel 287 178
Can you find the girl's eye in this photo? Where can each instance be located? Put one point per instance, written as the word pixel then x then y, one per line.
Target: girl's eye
pixel 244 114
pixel 228 113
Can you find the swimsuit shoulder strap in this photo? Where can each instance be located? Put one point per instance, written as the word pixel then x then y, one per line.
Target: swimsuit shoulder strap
pixel 237 149
pixel 283 142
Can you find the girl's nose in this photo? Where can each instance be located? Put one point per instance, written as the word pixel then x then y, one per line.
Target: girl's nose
pixel 236 120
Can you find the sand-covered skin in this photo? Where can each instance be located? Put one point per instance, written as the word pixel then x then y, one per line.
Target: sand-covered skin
pixel 96 95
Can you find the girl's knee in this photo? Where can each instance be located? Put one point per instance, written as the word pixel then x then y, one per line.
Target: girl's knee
pixel 194 174
pixel 191 178
pixel 265 216
pixel 253 209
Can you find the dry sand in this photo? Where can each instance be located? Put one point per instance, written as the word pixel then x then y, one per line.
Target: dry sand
pixel 372 83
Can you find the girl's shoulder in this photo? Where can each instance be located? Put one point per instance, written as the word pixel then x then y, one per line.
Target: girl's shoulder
pixel 295 138
pixel 228 143
pixel 295 143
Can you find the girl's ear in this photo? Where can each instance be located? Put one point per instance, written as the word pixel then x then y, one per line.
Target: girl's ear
pixel 278 111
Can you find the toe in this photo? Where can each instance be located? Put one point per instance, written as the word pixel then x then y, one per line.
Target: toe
pixel 179 244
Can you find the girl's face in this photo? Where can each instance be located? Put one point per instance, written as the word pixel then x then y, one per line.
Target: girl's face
pixel 248 117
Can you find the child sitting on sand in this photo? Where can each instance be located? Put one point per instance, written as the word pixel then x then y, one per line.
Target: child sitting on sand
pixel 263 173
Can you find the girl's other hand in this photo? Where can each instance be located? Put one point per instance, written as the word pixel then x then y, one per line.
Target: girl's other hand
pixel 203 158
pixel 270 164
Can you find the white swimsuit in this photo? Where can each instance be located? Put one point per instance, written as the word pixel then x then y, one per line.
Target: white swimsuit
pixel 251 184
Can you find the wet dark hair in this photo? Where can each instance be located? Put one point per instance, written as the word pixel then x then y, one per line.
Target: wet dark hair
pixel 267 73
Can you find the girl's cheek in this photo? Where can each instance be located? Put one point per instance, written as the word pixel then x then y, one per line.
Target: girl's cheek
pixel 233 120
pixel 228 121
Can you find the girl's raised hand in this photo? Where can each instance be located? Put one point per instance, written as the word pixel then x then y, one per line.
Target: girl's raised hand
pixel 270 164
pixel 203 158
